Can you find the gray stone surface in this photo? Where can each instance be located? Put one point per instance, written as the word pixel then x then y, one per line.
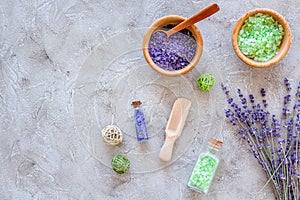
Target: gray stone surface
pixel 48 148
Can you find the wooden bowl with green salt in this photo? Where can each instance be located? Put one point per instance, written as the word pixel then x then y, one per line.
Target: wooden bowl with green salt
pixel 261 38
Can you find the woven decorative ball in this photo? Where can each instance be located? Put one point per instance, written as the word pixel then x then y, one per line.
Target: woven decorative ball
pixel 206 82
pixel 120 164
pixel 112 135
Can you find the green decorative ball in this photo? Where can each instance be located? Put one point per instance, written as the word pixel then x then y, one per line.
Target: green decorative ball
pixel 206 82
pixel 120 164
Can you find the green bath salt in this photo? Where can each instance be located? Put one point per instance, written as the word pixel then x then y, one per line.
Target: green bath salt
pixel 203 173
pixel 205 168
pixel 260 37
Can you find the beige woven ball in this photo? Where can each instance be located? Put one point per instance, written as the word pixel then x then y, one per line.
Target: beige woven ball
pixel 112 135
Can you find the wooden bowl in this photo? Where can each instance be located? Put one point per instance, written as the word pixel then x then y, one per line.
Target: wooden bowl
pixel 285 43
pixel 172 19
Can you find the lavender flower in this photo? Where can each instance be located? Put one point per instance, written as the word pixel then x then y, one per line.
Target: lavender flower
pixel 274 141
pixel 287 84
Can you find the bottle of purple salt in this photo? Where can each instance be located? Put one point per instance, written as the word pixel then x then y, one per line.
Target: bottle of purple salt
pixel 140 122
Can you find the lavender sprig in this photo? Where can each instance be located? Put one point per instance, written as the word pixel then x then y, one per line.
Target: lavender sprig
pixel 274 143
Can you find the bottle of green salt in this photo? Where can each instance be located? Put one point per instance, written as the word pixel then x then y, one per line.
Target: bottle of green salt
pixel 205 167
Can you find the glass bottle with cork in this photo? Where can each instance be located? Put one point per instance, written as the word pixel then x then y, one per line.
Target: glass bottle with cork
pixel 205 167
pixel 140 122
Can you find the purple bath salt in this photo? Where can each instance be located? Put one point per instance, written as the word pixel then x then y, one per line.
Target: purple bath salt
pixel 140 122
pixel 174 53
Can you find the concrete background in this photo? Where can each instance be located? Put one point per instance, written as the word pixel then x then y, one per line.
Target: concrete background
pixel 44 45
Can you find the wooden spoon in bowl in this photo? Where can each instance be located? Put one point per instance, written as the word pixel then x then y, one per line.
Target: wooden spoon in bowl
pixel 206 12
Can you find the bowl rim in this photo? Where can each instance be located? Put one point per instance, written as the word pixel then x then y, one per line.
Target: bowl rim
pixel 285 43
pixel 196 34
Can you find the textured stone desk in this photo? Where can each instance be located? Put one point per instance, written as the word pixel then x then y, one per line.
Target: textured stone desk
pixel 43 46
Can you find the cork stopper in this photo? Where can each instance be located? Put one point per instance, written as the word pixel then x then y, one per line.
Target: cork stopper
pixel 215 143
pixel 136 104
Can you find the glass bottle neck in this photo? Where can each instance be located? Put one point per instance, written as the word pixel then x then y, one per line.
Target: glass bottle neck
pixel 212 150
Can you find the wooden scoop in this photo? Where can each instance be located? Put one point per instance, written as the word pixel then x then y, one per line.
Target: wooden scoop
pixel 174 127
pixel 206 12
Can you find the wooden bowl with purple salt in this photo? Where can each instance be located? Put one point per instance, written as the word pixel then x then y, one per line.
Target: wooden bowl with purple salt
pixel 176 55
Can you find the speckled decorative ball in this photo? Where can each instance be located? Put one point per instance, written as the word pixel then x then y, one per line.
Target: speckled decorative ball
pixel 206 82
pixel 120 164
pixel 112 135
